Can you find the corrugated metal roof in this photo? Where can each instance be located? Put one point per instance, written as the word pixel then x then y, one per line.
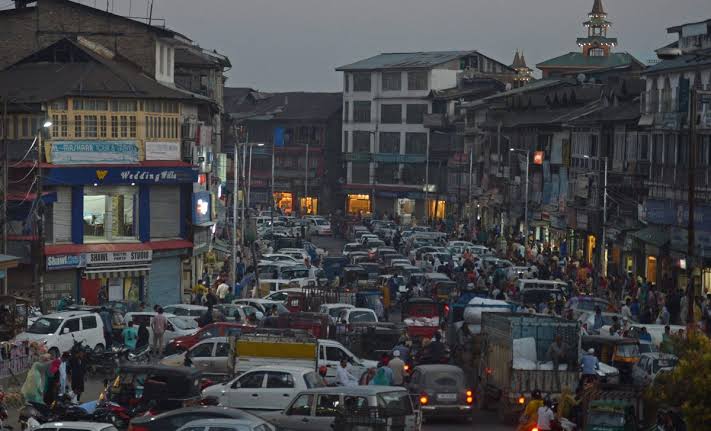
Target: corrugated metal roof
pixel 406 60
pixel 578 59
pixel 701 58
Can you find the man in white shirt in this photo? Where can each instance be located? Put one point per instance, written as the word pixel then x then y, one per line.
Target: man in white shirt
pixel 545 417
pixel 626 311
pixel 345 378
pixel 398 366
pixel 222 290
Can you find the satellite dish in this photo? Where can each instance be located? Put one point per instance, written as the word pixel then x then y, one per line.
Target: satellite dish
pixel 581 78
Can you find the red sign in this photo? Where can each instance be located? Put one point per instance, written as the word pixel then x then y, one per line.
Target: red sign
pixel 538 158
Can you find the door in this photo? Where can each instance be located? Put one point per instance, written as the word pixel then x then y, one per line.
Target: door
pixel 222 356
pixel 327 406
pixel 201 356
pixel 331 357
pixel 90 331
pixel 70 332
pixel 245 391
pixel 279 390
pixel 298 415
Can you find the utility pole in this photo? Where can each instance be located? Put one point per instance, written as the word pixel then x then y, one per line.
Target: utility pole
pixel 427 181
pixel 306 176
pixel 235 184
pixel 603 241
pixel 471 168
pixel 5 188
pixel 692 186
pixel 38 217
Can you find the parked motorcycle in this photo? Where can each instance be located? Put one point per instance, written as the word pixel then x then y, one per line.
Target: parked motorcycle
pixel 107 361
pixel 141 355
pixel 3 414
pixel 61 410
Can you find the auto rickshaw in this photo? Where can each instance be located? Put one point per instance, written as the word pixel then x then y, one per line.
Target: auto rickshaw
pixel 14 312
pixel 621 353
pixel 354 277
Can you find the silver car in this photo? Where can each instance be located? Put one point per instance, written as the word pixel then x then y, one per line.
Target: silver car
pixel 226 425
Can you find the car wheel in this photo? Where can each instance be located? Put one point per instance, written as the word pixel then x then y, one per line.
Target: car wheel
pixel 99 348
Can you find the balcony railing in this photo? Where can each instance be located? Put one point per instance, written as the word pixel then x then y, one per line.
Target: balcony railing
pixel 384 157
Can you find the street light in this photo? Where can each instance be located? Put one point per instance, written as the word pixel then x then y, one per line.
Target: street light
pixel 525 216
pixel 603 258
pixel 39 219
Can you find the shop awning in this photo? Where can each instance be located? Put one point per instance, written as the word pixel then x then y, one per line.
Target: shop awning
pixel 655 235
pixel 93 274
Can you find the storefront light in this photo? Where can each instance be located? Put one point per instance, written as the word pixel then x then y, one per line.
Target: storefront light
pixel 682 263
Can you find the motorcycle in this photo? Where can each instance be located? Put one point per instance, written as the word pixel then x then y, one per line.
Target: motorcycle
pixel 3 414
pixel 106 362
pixel 61 410
pixel 141 355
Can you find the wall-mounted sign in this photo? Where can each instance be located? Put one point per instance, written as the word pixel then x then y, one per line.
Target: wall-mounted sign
pixel 93 152
pixel 118 257
pixel 116 175
pixel 55 263
pixel 538 157
pixel 202 202
pixel 162 150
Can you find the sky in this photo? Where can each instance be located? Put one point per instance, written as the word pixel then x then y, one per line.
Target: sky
pixel 295 45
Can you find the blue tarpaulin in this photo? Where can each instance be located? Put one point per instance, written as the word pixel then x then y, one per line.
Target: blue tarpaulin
pixel 278 137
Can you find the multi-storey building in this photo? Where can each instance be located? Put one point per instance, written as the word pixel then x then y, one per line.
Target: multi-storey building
pixel 386 145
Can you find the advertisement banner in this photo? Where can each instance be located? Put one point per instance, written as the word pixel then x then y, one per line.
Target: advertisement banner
pixel 55 263
pixel 93 152
pixel 202 208
pixel 675 213
pixel 113 175
pixel 118 257
pixel 162 150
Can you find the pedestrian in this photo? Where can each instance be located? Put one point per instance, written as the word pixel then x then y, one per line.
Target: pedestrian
pixel 345 378
pixel 130 336
pixel 598 321
pixel 158 325
pixel 222 291
pixel 398 368
pixel 34 384
pixel 77 369
pixel 52 381
pixel 63 370
pixel 626 310
pixel 546 416
pixel 590 365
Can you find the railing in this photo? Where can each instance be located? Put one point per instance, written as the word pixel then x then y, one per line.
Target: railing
pixel 384 157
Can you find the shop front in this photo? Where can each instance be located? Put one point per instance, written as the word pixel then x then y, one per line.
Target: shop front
pixel 436 209
pixel 284 201
pixel 308 205
pixel 358 204
pixel 164 284
pixel 61 278
pixel 119 275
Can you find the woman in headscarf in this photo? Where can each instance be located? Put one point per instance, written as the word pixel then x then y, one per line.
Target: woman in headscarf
pixel 77 368
pixel 34 384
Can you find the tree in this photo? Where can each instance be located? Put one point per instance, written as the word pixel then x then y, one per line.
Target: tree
pixel 688 386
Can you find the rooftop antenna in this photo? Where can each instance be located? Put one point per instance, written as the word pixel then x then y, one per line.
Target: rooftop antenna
pixel 150 14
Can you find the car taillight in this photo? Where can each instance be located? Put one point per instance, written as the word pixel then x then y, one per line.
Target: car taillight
pixel 132 427
pixel 470 396
pixel 534 429
pixel 406 368
pixel 424 399
pixel 521 400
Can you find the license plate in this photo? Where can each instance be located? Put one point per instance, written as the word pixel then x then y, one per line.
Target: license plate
pixel 447 397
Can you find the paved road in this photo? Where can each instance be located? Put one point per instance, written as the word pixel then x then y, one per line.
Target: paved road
pixel 483 421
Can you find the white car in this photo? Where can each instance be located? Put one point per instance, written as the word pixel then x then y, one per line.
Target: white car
pixel 334 310
pixel 367 238
pixel 216 424
pixel 211 356
pixel 650 365
pixel 281 295
pixel 263 305
pixel 238 313
pixel 319 226
pixel 278 257
pixel 264 388
pixel 357 315
pixel 76 426
pixel 59 331
pixel 185 310
pixel 177 326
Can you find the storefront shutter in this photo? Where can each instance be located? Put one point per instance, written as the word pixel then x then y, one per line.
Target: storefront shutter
pixel 165 212
pixel 164 281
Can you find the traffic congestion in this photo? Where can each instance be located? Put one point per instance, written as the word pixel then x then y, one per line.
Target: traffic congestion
pixel 394 328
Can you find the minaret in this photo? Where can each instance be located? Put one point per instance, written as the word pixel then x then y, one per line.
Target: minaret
pixel 523 72
pixel 597 44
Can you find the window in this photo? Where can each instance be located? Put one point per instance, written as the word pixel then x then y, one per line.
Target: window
pixel 346 82
pixel 352 403
pixel 252 380
pixel 596 52
pixel 64 126
pixel 90 126
pixel 397 403
pixel 415 113
pixel 415 143
pixel 360 172
pixel 643 147
pixel 361 112
pixel 417 80
pixel 77 126
pixel 361 142
pixel 361 81
pixel 88 322
pixel 327 405
pixel 279 380
pixel 72 325
pixel 389 142
pixel 124 105
pixel 202 351
pixel 333 354
pixel 109 216
pixel 132 126
pixel 346 117
pixel 345 141
pixel 313 380
pixel 669 149
pixel 59 105
pixel 223 349
pixel 301 406
pixel 392 81
pixel 114 126
pixel 102 126
pixel 391 114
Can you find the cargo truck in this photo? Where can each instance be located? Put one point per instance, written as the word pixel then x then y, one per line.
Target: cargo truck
pixel 514 360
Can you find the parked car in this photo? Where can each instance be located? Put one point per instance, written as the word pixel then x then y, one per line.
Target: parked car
pixel 263 305
pixel 277 257
pixel 319 226
pixel 334 310
pixel 185 310
pixel 357 315
pixel 177 326
pixel 211 356
pixel 76 426
pixel 264 388
pixel 388 408
pixel 442 391
pixel 217 329
pixel 238 313
pixel 59 331
pixel 174 419
pixel 227 425
pixel 650 365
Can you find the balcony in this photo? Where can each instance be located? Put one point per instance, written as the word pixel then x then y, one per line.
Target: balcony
pixel 384 157
pixel 435 121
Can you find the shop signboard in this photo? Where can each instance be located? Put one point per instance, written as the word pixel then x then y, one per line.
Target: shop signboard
pixel 162 150
pixel 675 213
pixel 55 263
pixel 113 258
pixel 202 207
pixel 116 175
pixel 93 152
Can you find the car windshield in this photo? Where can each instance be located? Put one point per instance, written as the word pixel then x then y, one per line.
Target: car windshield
pixel 361 316
pixel 609 419
pixel 395 403
pixel 336 311
pixel 281 309
pixel 183 324
pixel 664 363
pixel 44 325
pixel 321 222
pixel 628 350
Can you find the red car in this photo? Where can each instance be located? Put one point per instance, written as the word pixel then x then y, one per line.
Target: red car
pixel 217 329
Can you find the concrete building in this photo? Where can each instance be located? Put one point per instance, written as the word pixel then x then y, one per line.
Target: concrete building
pixel 386 145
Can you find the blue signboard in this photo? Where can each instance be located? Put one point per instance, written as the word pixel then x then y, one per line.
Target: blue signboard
pixel 278 137
pixel 202 208
pixel 65 262
pixel 93 152
pixel 120 175
pixel 676 213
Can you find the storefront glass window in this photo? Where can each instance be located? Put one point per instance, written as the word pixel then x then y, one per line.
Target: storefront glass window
pixel 308 205
pixel 285 201
pixel 436 209
pixel 110 216
pixel 358 204
pixel 651 269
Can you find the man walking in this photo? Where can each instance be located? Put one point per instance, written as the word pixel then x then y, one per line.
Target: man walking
pixel 158 325
pixel 397 366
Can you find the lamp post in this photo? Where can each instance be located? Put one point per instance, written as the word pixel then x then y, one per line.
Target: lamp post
pixel 601 253
pixel 38 218
pixel 525 216
pixel 248 182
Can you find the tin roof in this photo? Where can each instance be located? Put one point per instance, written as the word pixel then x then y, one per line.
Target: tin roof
pixel 579 60
pixel 406 60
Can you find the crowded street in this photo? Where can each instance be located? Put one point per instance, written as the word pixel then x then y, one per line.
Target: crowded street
pixel 400 215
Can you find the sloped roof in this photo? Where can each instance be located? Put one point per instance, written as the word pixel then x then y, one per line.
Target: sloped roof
pixel 597 8
pixel 579 60
pixel 699 58
pixel 405 60
pixel 193 55
pixel 241 103
pixel 36 80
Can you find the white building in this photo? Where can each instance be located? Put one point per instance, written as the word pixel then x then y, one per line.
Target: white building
pixel 386 145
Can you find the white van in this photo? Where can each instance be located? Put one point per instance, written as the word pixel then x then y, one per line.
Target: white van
pixel 59 331
pixel 532 283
